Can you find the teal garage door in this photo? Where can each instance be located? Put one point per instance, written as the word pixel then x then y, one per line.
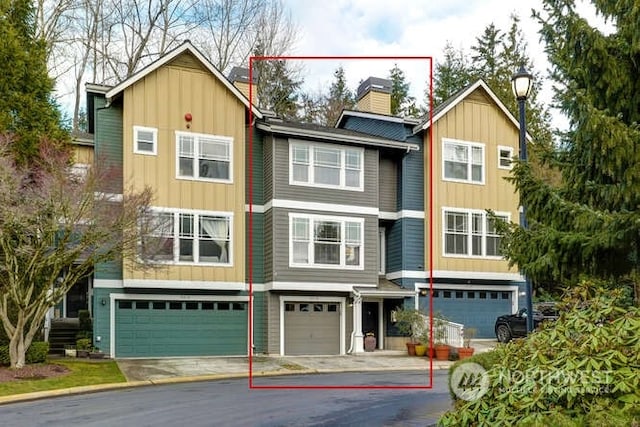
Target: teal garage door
pixel 473 308
pixel 180 328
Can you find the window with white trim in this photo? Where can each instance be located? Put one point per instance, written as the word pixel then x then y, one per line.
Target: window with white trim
pixel 189 238
pixel 326 165
pixel 505 157
pixel 462 161
pixel 324 241
pixel 204 157
pixel 145 140
pixel 471 233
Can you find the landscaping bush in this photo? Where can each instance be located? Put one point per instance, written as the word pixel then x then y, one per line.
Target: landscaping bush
pixel 37 353
pixel 486 360
pixel 583 369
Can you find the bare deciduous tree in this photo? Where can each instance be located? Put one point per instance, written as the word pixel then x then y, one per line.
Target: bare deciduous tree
pixel 54 227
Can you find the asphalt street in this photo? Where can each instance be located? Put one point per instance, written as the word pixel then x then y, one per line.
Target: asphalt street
pixel 232 403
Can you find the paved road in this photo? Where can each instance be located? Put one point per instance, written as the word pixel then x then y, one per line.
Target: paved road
pixel 232 403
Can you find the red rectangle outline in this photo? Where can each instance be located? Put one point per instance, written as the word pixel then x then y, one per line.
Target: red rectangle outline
pixel 250 229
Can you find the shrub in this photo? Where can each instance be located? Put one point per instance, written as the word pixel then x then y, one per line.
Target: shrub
pixel 486 360
pixel 37 353
pixel 584 367
pixel 83 344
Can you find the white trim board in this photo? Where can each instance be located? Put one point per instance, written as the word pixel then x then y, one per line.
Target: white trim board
pixel 315 286
pixel 450 274
pixel 184 284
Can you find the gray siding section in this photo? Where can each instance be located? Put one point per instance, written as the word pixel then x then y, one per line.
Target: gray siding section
pixel 388 184
pixel 288 274
pixel 282 190
pixel 384 129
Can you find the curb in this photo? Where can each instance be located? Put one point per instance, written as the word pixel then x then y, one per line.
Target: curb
pixel 27 397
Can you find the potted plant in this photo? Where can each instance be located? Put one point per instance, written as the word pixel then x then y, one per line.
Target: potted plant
pixel 83 346
pixel 440 336
pixel 369 341
pixel 410 323
pixel 424 341
pixel 467 351
pixel 70 351
pixel 96 354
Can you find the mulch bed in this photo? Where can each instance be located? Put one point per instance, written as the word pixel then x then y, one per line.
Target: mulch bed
pixel 32 372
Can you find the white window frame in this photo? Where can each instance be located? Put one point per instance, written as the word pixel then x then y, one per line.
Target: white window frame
pixel 317 218
pixel 470 145
pixel 196 237
pixel 469 233
pixel 154 132
pixel 311 163
pixel 382 250
pixel 196 152
pixel 509 158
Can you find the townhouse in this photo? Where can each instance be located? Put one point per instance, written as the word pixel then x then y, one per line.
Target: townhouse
pixel 322 231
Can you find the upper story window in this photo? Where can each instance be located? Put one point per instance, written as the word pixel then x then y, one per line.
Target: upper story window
pixel 204 157
pixel 326 241
pixel 471 233
pixel 327 166
pixel 505 157
pixel 188 237
pixel 145 140
pixel 463 161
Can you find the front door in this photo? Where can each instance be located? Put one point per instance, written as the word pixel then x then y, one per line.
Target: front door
pixel 77 298
pixel 370 318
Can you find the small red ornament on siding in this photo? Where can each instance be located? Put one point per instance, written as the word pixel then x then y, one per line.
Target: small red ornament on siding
pixel 188 118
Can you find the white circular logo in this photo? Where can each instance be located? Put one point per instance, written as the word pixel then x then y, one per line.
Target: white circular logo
pixel 469 381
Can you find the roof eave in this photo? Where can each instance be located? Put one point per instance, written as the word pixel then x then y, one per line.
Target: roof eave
pixel 278 129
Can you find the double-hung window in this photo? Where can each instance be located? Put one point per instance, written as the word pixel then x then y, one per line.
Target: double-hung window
pixel 189 237
pixel 326 165
pixel 505 157
pixel 323 241
pixel 463 161
pixel 471 233
pixel 204 157
pixel 145 140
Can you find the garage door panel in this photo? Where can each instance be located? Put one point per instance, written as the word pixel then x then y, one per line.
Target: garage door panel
pixel 311 332
pixel 473 308
pixel 169 328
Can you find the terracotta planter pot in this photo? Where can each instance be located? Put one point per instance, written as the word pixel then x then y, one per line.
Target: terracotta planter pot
pixel 411 348
pixel 421 350
pixel 369 343
pixel 465 352
pixel 442 352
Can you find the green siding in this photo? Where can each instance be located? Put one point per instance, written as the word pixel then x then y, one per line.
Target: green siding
pixel 111 270
pixel 257 167
pixel 259 322
pixel 108 138
pixel 257 271
pixel 100 315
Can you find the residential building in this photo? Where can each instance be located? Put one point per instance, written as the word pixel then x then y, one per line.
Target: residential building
pixel 325 231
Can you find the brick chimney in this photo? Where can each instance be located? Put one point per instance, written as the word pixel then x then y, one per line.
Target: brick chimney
pixel 239 76
pixel 374 96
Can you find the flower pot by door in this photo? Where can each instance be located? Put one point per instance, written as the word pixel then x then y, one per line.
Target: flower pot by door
pixel 411 349
pixel 369 343
pixel 421 350
pixel 442 352
pixel 465 352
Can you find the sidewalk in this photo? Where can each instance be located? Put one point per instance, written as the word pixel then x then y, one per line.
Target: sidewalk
pixel 206 367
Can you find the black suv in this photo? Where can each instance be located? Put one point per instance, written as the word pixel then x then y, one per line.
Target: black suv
pixel 511 326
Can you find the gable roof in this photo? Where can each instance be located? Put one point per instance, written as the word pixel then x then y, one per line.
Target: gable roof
pixel 458 97
pixel 171 55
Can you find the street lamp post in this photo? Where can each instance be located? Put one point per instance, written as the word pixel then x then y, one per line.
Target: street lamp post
pixel 521 83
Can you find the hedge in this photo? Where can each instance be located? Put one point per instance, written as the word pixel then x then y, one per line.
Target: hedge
pixel 37 353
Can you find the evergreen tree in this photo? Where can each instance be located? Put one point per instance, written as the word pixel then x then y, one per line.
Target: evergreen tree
pixel 450 75
pixel 27 110
pixel 278 85
pixel 486 57
pixel 340 97
pixel 402 104
pixel 588 223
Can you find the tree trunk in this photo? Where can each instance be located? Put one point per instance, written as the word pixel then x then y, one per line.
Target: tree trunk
pixel 17 350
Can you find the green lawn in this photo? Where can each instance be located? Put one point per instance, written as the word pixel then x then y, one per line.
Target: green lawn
pixel 82 373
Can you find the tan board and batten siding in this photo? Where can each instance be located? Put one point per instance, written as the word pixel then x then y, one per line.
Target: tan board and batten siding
pixel 474 119
pixel 161 100
pixel 83 154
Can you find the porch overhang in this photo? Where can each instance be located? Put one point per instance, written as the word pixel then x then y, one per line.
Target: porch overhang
pixel 385 289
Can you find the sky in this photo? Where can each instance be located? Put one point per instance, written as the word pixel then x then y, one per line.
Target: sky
pixel 404 28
